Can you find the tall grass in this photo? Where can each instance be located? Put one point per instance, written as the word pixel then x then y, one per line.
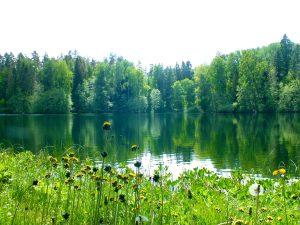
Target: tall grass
pixel 41 189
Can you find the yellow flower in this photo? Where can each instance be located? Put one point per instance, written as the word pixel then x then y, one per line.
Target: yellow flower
pixel 275 172
pixel 282 171
pixel 106 125
pixel 241 209
pixel 238 222
pixel 132 174
pixel 294 196
pixel 134 147
pixel 279 218
pixel 270 218
pixel 264 209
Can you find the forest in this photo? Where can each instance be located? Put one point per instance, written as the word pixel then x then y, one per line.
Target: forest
pixel 265 79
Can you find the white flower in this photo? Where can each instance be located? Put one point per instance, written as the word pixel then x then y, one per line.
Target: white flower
pixel 141 219
pixel 256 189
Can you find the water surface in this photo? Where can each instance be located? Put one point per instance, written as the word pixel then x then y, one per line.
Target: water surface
pixel 221 142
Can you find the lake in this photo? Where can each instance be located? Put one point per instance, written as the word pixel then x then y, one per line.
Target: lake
pixel 221 142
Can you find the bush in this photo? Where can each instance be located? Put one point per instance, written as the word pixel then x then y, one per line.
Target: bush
pixel 52 101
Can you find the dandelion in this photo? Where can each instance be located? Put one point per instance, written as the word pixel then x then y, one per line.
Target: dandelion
pixel 107 169
pixel 294 196
pixel 275 172
pixel 270 218
pixel 256 190
pixel 35 183
pixel 238 222
pixel 66 215
pixel 156 178
pixel 134 147
pixel 141 219
pixel 137 164
pixel 264 209
pixel 122 198
pixel 190 195
pixel 282 171
pixel 106 126
pixel 103 154
pixel 132 174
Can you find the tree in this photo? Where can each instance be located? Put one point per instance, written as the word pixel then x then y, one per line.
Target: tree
pixel 155 99
pixel 217 77
pixel 80 74
pixel 203 88
pixel 294 70
pixel 56 79
pixel 282 58
pixel 178 99
pixel 232 74
pixel 290 97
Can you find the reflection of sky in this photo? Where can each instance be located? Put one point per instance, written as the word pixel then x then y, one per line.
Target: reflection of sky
pixel 175 165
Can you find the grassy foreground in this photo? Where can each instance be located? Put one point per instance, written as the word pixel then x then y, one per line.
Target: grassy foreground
pixel 41 189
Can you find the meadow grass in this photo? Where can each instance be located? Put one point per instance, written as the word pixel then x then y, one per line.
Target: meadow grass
pixel 41 189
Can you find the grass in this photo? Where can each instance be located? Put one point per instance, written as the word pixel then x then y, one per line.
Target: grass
pixel 41 189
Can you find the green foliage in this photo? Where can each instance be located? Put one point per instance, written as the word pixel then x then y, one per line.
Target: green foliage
pixel 42 189
pixel 247 81
pixel 155 100
pixel 52 101
pixel 290 97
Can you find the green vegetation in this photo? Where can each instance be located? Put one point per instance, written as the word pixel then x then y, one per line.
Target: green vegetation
pixel 46 190
pixel 255 80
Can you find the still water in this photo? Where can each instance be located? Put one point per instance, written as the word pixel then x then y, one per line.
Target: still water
pixel 220 142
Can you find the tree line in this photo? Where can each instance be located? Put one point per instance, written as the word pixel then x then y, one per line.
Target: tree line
pixel 264 79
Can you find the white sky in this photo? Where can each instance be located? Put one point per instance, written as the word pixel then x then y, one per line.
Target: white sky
pixel 152 31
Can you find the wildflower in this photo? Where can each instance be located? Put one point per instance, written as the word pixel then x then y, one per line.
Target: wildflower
pixel 106 126
pixel 132 174
pixel 241 209
pixel 238 222
pixel 66 215
pixel 122 198
pixel 66 165
pixel 95 169
pixel 79 175
pixel 88 167
pixel 250 211
pixel 264 209
pixel 279 218
pixel 256 189
pixel 137 164
pixel 134 147
pixel 103 154
pixel 107 169
pixel 68 174
pixel 48 175
pixel 106 200
pixel 141 219
pixel 294 196
pixel 282 171
pixel 270 218
pixel 156 178
pixel 52 159
pixel 72 154
pixel 65 159
pixel 74 159
pixel 70 180
pixel 190 195
pixel 275 172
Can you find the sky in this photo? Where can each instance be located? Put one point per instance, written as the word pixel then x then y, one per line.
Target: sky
pixel 149 31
